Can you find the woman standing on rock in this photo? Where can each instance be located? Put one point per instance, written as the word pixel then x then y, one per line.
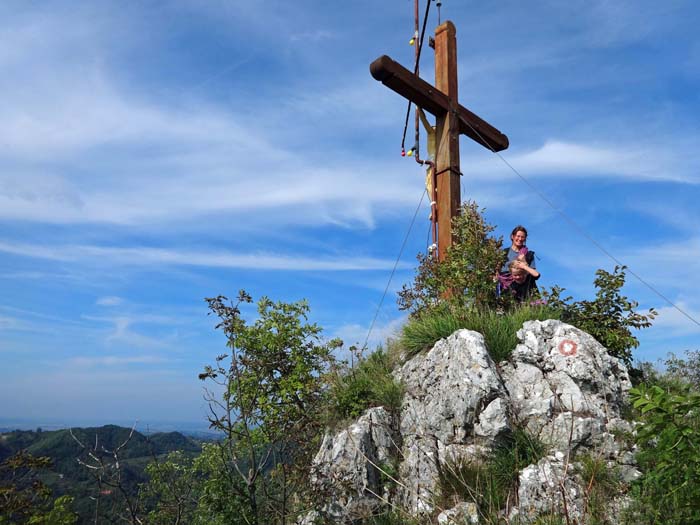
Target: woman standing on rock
pixel 519 272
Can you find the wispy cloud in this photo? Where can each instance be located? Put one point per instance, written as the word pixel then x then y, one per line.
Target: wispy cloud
pixel 12 323
pixel 123 334
pixel 356 334
pixel 145 256
pixel 556 158
pixel 113 360
pixel 673 323
pixel 312 36
pixel 109 300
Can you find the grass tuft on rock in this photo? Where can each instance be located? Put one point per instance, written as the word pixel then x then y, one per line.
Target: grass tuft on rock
pixel 490 484
pixel 498 328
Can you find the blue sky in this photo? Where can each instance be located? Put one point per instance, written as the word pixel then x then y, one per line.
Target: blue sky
pixel 156 153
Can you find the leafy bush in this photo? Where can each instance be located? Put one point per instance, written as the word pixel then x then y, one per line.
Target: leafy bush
pixel 465 277
pixel 367 384
pixel 669 441
pixel 25 498
pixel 609 317
pixel 498 328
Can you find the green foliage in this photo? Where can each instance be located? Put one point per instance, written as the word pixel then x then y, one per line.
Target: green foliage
pixel 172 490
pixel 271 407
pixel 609 317
pixel 367 384
pixel 423 330
pixel 60 513
pixel 518 450
pixel 669 441
pixel 470 481
pixel 68 477
pixel 197 491
pixel 25 498
pixel 466 276
pixel 273 372
pixel 498 328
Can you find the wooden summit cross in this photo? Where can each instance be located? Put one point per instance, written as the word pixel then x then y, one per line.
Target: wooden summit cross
pixel 452 119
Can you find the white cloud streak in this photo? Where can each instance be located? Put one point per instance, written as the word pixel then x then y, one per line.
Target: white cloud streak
pixel 673 323
pixel 556 158
pixel 355 334
pixel 112 360
pixel 145 256
pixel 109 300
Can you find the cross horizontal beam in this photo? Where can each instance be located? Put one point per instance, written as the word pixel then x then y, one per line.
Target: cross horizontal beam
pixel 399 79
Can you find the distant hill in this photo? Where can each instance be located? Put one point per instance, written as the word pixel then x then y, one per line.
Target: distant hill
pixel 69 477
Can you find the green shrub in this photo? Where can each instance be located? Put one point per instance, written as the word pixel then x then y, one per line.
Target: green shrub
pixel 423 331
pixel 470 481
pixel 610 317
pixel 465 276
pixel 518 450
pixel 669 441
pixel 368 384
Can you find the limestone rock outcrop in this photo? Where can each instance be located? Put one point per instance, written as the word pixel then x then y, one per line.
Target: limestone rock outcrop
pixel 346 469
pixel 559 385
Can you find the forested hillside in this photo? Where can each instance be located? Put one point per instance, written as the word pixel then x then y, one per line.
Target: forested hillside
pixel 67 476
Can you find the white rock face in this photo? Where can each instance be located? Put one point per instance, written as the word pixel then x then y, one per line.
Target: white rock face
pixel 450 390
pixel 346 467
pixel 548 488
pixel 559 384
pixel 563 385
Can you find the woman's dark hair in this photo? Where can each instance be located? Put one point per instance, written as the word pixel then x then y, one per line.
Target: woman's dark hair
pixel 519 228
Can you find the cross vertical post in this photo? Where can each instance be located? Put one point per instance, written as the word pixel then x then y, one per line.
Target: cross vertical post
pixel 447 131
pixel 452 119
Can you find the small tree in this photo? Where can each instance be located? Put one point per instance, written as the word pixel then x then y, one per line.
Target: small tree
pixel 269 411
pixel 466 276
pixel 172 490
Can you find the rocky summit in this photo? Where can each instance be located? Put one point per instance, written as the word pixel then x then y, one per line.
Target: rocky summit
pixel 560 387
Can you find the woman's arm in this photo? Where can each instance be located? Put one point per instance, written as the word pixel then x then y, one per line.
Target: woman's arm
pixel 524 266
